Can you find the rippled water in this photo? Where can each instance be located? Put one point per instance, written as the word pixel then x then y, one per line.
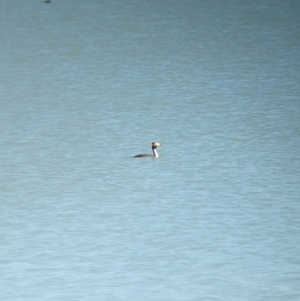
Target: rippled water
pixel 86 85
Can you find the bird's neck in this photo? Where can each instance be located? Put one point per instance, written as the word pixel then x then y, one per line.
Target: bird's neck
pixel 155 153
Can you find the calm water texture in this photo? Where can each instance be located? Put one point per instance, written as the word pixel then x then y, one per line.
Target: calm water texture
pixel 86 85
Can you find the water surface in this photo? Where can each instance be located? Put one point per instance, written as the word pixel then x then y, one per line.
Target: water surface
pixel 86 85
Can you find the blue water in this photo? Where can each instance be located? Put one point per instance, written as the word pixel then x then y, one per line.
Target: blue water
pixel 85 86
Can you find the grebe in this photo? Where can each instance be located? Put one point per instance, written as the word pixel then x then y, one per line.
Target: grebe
pixel 155 153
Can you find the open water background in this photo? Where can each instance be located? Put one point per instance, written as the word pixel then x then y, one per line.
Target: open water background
pixel 85 85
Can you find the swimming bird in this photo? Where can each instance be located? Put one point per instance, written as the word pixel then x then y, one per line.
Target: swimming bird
pixel 155 153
